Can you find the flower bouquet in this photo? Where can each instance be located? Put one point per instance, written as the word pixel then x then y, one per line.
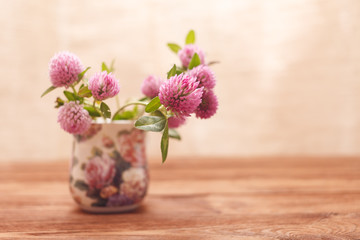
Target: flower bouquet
pixel 110 157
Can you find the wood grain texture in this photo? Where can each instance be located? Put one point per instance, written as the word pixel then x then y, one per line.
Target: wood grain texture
pixel 256 198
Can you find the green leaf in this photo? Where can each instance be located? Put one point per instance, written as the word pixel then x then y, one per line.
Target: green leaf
pixel 172 72
pixel 195 61
pixel 174 47
pixel 165 143
pixel 92 111
pixel 85 92
pixel 81 185
pixel 81 75
pixel 73 97
pixel 104 67
pixel 157 113
pixel 190 38
pixel 153 105
pixel 105 110
pixel 48 90
pixel 126 115
pixel 151 123
pixel 59 102
pixel 174 134
pixel 69 95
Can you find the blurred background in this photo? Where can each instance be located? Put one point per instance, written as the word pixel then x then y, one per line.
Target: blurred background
pixel 288 82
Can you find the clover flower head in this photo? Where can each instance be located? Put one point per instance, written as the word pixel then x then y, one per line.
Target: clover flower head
pixel 103 85
pixel 208 106
pixel 185 54
pixel 64 69
pixel 73 118
pixel 180 95
pixel 150 86
pixel 204 75
pixel 175 122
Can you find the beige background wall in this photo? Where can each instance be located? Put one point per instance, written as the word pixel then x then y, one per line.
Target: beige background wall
pixel 288 82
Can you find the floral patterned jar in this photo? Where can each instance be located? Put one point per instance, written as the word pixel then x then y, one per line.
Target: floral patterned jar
pixel 109 169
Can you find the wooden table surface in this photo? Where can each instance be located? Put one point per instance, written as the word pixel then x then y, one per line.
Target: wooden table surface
pixel 248 198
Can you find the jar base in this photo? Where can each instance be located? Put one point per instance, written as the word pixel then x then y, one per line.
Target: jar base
pixel 109 209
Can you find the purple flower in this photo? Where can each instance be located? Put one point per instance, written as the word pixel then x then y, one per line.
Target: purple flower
pixel 188 52
pixel 64 69
pixel 103 85
pixel 204 75
pixel 208 105
pixel 73 118
pixel 175 122
pixel 118 200
pixel 150 86
pixel 180 95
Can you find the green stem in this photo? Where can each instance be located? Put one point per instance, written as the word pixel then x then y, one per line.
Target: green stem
pixel 97 109
pixel 126 105
pixel 74 90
